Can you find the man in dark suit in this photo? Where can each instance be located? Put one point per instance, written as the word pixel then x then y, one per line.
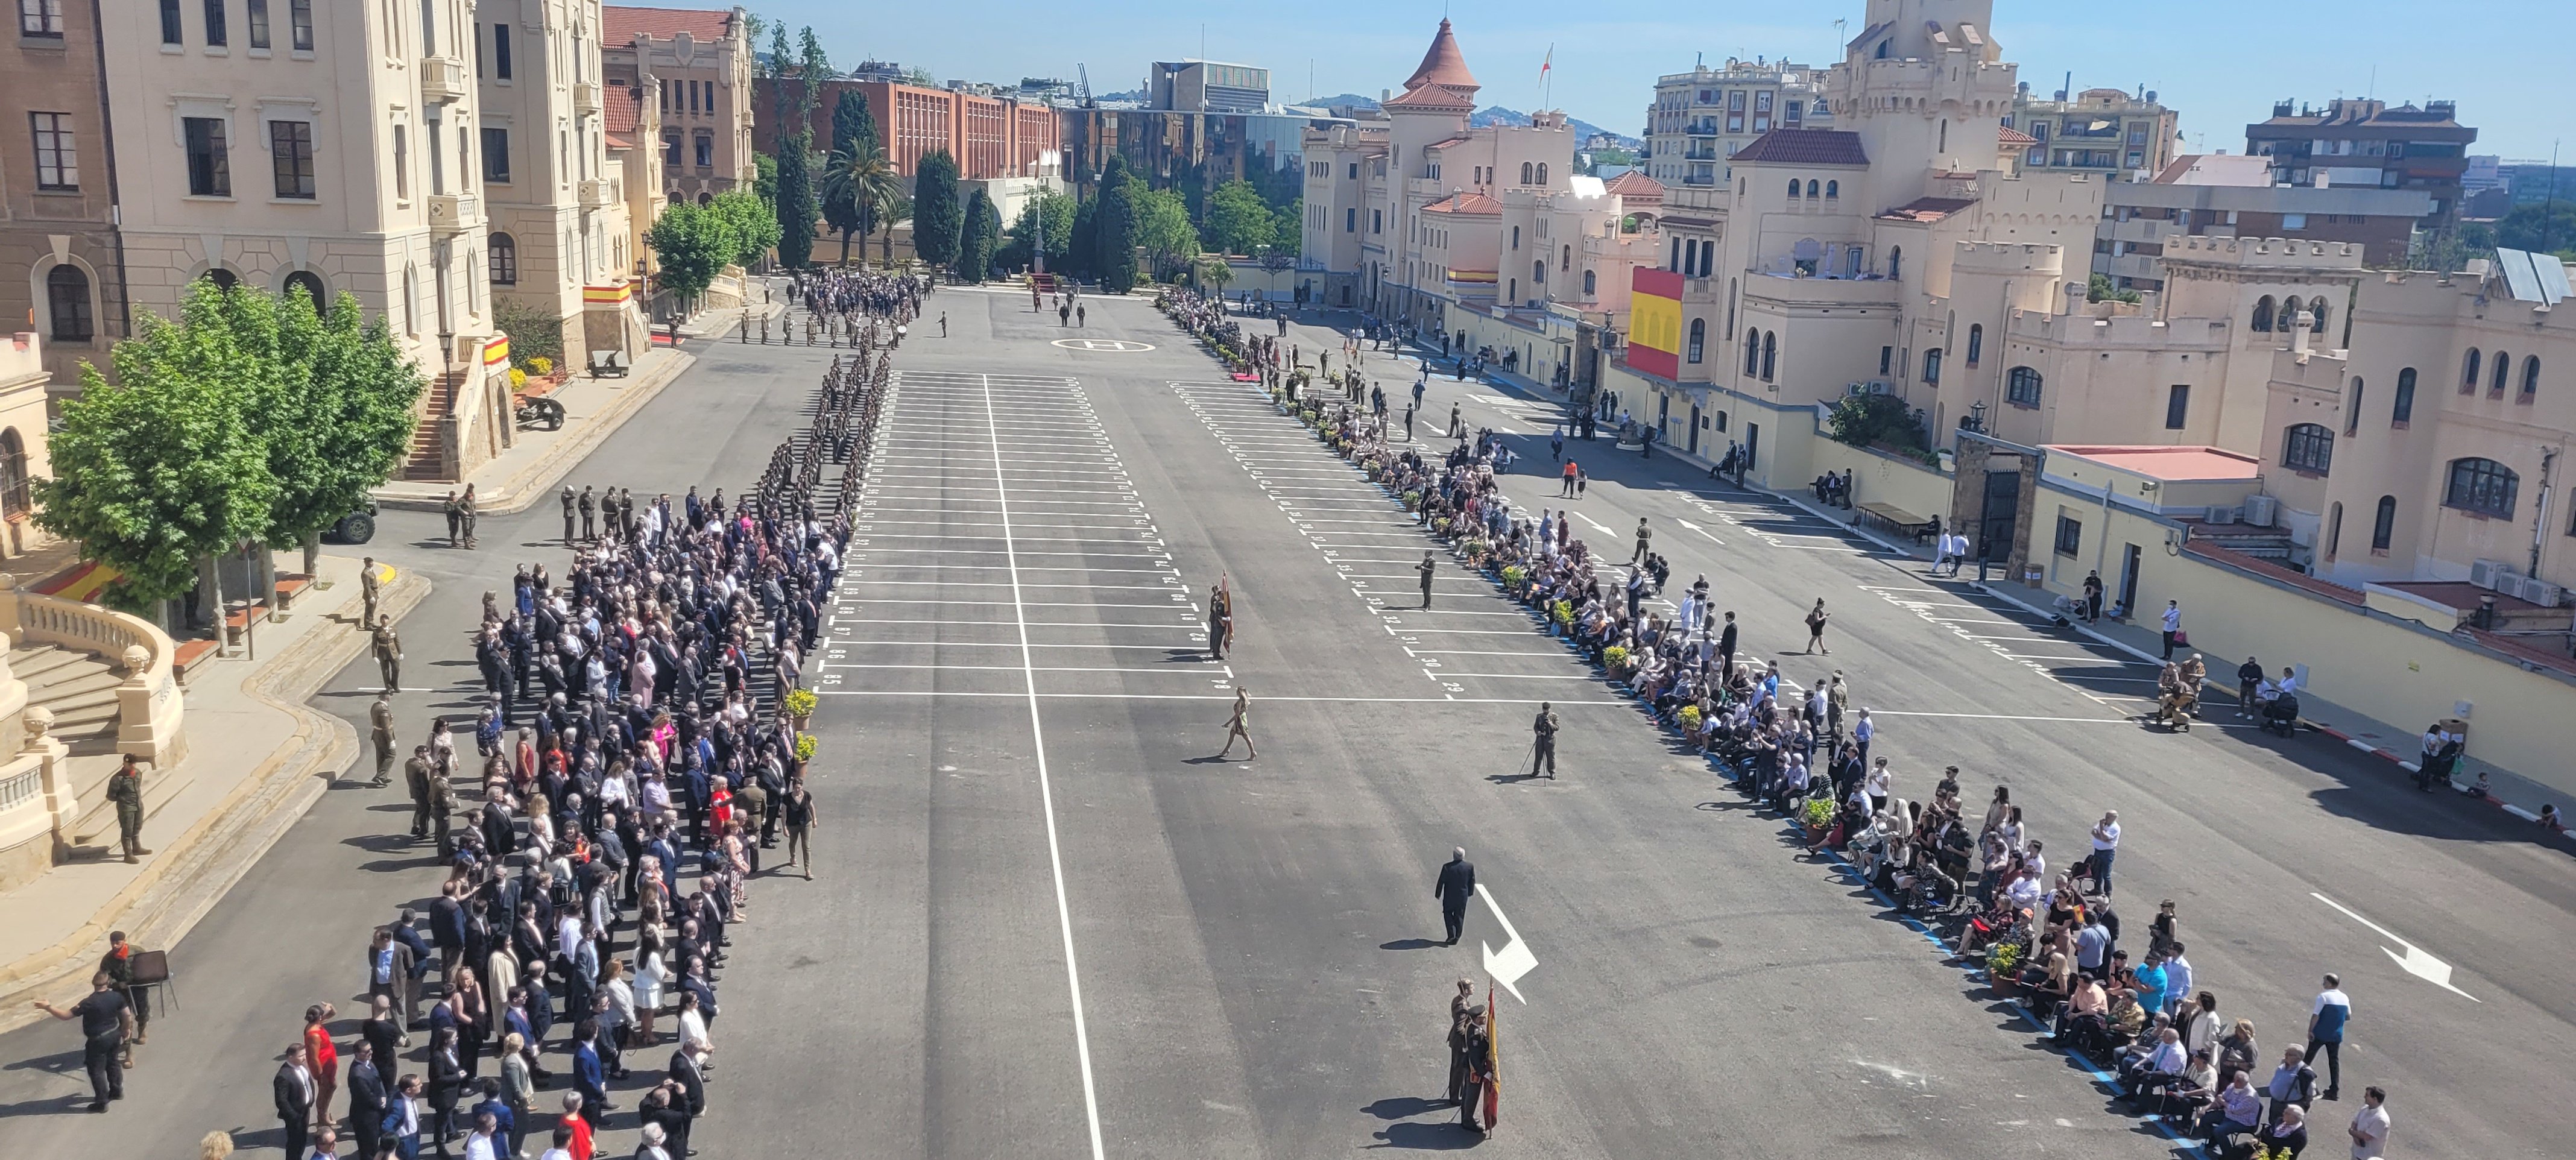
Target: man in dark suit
pixel 1726 649
pixel 293 1090
pixel 367 1097
pixel 588 1075
pixel 1456 885
pixel 692 1097
pixel 447 929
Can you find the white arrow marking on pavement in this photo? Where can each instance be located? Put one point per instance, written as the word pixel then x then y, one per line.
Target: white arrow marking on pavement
pixel 2414 962
pixel 1515 959
pixel 1703 531
pixel 1605 528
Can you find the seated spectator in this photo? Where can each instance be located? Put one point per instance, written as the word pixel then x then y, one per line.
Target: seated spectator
pixel 2238 1111
pixel 2287 1135
pixel 2083 1016
pixel 2197 1090
pixel 2156 1070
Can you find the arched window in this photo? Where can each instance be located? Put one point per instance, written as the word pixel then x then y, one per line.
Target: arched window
pixel 2503 365
pixel 1565 257
pixel 706 199
pixel 1589 290
pixel 1698 337
pixel 2383 527
pixel 2469 371
pixel 2483 486
pixel 1516 237
pixel 2318 309
pixel 1770 353
pixel 311 284
pixel 1976 341
pixel 2263 314
pixel 505 260
pixel 1932 367
pixel 1526 171
pixel 2352 410
pixel 1538 273
pixel 1811 187
pixel 1793 189
pixel 1895 262
pixel 1542 173
pixel 1833 189
pixel 223 279
pixel 2307 448
pixel 14 498
pixel 2402 409
pixel 2021 387
pixel 2530 378
pixel 67 301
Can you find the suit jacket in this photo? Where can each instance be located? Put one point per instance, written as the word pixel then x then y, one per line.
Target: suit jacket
pixel 294 1094
pixel 406 936
pixel 387 1035
pixel 586 1071
pixel 367 1093
pixel 447 922
pixel 692 1084
pixel 1726 640
pixel 1457 883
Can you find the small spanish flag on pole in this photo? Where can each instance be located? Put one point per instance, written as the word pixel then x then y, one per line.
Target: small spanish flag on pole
pixel 1493 1060
pixel 1544 65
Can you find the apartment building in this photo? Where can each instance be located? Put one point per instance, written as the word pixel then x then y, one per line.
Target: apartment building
pixel 992 137
pixel 2355 141
pixel 559 232
pixel 701 61
pixel 2107 132
pixel 2232 195
pixel 1701 117
pixel 61 272
pixel 328 146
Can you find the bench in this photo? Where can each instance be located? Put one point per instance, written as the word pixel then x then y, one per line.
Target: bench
pixel 289 586
pixel 608 364
pixel 189 654
pixel 1903 522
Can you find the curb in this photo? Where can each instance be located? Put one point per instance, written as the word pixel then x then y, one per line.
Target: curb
pixel 201 865
pixel 528 488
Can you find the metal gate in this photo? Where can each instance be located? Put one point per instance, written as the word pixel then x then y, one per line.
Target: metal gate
pixel 1995 520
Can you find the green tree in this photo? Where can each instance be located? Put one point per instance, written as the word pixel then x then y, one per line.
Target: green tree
pixel 160 468
pixel 534 331
pixel 1019 250
pixel 693 242
pixel 1163 230
pixel 796 202
pixel 1861 420
pixel 1238 221
pixel 341 419
pixel 2099 289
pixel 2546 228
pixel 750 224
pixel 1082 256
pixel 1113 227
pixel 1211 273
pixel 764 177
pixel 861 182
pixel 1288 226
pixel 978 238
pixel 937 214
pixel 897 211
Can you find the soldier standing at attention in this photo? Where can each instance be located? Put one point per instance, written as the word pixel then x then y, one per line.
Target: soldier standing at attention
pixel 380 722
pixel 1236 726
pixel 1220 621
pixel 370 589
pixel 567 509
pixel 455 520
pixel 1426 568
pixel 465 514
pixel 416 778
pixel 125 788
pixel 389 653
pixel 442 808
pixel 1543 752
pixel 589 514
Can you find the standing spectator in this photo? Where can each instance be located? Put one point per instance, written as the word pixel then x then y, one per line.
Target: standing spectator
pixel 2092 597
pixel 294 1092
pixel 2326 1019
pixel 578 1115
pixel 2173 627
pixel 1457 883
pixel 2294 1083
pixel 369 1095
pixel 402 1120
pixel 2370 1125
pixel 1816 618
pixel 2106 843
pixel 104 1017
pixel 2249 679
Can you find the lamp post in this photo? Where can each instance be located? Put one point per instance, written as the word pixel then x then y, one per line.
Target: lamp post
pixel 1976 417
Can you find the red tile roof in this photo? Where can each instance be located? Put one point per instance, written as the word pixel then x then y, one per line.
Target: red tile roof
pixel 1443 64
pixel 1634 183
pixel 1805 147
pixel 1467 203
pixel 2007 135
pixel 1928 209
pixel 702 24
pixel 623 109
pixel 1430 97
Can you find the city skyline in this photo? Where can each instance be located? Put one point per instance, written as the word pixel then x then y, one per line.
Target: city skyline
pixel 2222 68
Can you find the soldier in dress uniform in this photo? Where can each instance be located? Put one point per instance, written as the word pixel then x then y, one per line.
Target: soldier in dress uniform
pixel 589 514
pixel 455 520
pixel 380 729
pixel 465 514
pixel 1543 748
pixel 1426 568
pixel 389 653
pixel 567 513
pixel 370 589
pixel 125 788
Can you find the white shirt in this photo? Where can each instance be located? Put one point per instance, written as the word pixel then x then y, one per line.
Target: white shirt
pixel 2372 1123
pixel 478 1146
pixel 2106 836
pixel 2173 619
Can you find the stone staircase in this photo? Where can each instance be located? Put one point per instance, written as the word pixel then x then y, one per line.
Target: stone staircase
pixel 80 690
pixel 425 463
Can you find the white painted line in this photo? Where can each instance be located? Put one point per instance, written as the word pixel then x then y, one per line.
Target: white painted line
pixel 1108 695
pixel 2414 962
pixel 1046 799
pixel 1165 670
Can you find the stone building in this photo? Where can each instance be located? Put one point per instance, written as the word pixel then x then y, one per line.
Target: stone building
pixel 61 272
pixel 701 59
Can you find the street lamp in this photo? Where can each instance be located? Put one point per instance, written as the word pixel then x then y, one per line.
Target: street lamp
pixel 1976 417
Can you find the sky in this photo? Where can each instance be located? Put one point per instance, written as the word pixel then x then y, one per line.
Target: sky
pixel 2219 63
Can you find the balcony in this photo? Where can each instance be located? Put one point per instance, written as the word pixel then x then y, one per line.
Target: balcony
pixel 597 193
pixel 585 97
pixel 442 79
pixel 451 214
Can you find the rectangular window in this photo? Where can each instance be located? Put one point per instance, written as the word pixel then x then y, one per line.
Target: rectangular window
pixel 210 172
pixel 40 18
pixel 2294 221
pixel 171 32
pixel 1351 221
pixel 402 163
pixel 57 162
pixel 258 23
pixel 2070 536
pixel 496 156
pixel 1355 171
pixel 290 152
pixel 2177 406
pixel 215 34
pixel 299 21
pixel 501 51
pixel 1886 358
pixel 706 151
pixel 1377 221
pixel 671 150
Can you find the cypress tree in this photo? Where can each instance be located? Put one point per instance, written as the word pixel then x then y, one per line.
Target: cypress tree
pixel 937 217
pixel 1114 229
pixel 796 201
pixel 977 238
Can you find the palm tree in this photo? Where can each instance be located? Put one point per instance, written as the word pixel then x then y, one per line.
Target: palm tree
pixel 1211 272
pixel 860 173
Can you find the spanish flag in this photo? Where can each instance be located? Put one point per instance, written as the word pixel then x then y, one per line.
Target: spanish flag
pixel 1547 62
pixel 1493 1060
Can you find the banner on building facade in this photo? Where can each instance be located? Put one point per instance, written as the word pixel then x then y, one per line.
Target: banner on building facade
pixel 1655 322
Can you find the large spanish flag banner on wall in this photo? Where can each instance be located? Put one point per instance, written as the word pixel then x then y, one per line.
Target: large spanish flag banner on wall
pixel 1655 322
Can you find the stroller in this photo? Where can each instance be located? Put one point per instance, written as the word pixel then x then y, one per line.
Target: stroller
pixel 2281 714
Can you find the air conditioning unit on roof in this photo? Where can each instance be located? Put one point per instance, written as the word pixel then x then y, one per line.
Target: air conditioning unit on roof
pixel 2543 593
pixel 2222 515
pixel 2489 573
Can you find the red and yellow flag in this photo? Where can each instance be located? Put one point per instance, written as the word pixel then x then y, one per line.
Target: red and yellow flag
pixel 1493 1060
